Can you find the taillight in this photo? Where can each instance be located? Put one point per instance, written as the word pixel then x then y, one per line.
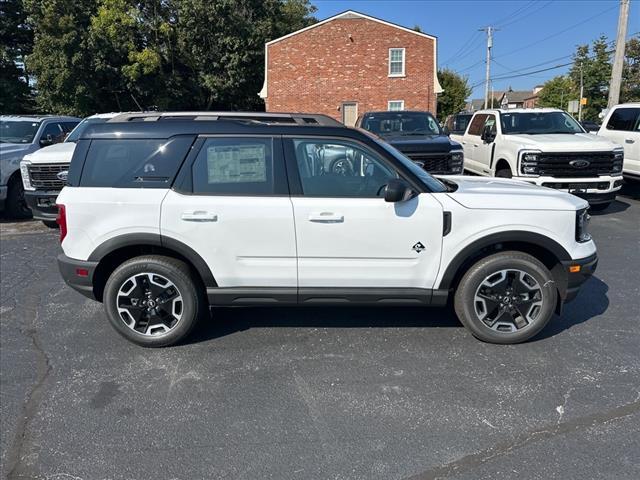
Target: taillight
pixel 61 220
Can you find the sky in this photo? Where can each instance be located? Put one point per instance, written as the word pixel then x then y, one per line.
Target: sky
pixel 532 34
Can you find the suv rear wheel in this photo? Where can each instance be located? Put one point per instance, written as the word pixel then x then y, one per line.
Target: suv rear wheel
pixel 506 298
pixel 153 301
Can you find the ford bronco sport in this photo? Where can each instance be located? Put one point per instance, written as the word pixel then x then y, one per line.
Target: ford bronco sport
pixel 165 215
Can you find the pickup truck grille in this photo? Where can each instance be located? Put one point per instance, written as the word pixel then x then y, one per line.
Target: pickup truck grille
pixel 438 163
pixel 559 164
pixel 45 176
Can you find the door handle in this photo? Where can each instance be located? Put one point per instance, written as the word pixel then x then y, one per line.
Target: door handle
pixel 199 216
pixel 629 140
pixel 475 145
pixel 326 217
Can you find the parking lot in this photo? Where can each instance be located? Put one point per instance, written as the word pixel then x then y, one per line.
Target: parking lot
pixel 316 393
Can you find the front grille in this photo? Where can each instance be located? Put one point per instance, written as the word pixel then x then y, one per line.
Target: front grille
pixel 438 163
pixel 45 176
pixel 559 164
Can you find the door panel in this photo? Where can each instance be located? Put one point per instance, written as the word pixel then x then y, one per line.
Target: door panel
pixel 233 209
pixel 367 242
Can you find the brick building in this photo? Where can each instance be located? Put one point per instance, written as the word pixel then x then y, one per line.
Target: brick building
pixel 349 64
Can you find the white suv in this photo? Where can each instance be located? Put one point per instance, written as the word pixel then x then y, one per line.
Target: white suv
pixel 165 217
pixel 547 147
pixel 621 124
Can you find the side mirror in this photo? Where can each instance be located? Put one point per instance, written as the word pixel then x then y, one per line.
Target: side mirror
pixel 46 141
pixel 488 134
pixel 446 130
pixel 396 191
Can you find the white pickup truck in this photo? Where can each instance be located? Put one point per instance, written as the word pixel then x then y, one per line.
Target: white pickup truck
pixel 621 125
pixel 547 147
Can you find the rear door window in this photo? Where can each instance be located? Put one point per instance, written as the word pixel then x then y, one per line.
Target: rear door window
pixel 149 163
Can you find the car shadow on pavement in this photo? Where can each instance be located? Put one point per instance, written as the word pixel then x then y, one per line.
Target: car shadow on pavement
pixel 591 301
pixel 615 207
pixel 228 320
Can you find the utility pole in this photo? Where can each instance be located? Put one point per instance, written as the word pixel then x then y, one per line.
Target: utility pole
pixel 490 31
pixel 618 60
pixel 581 94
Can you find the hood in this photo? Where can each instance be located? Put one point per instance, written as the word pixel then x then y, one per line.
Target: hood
pixel 563 142
pixel 507 194
pixel 58 153
pixel 14 148
pixel 422 143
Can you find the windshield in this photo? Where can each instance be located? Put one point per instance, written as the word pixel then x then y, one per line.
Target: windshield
pixel 401 123
pixel 432 184
pixel 536 123
pixel 77 132
pixel 17 131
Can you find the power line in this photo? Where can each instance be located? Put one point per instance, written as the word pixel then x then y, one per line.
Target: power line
pixel 527 15
pixel 516 12
pixel 463 47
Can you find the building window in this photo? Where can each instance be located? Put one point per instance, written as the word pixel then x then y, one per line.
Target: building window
pixel 395 105
pixel 396 62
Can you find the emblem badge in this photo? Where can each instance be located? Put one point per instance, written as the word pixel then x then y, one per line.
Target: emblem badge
pixel 63 175
pixel 418 247
pixel 580 163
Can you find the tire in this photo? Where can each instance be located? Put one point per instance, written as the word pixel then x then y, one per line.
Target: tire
pixel 341 166
pixel 51 223
pixel 531 281
pixel 16 205
pixel 157 325
pixel 504 173
pixel 599 207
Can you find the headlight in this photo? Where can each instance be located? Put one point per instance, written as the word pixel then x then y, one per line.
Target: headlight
pixel 618 160
pixel 582 222
pixel 529 162
pixel 457 160
pixel 24 172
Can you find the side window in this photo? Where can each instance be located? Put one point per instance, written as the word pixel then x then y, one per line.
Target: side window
pixel 134 163
pixel 237 166
pixel 54 132
pixel 340 168
pixel 68 126
pixel 477 124
pixel 490 122
pixel 623 119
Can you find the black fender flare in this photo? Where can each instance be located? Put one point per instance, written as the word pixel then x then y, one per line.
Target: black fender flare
pixel 517 236
pixel 155 240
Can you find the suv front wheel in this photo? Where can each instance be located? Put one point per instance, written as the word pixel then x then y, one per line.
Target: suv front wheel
pixel 153 301
pixel 506 298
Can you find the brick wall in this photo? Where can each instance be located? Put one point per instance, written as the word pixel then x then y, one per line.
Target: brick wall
pixel 346 60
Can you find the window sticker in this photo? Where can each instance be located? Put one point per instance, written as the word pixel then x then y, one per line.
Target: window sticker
pixel 237 163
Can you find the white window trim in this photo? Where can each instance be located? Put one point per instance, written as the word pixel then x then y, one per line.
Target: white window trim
pixel 404 59
pixel 401 102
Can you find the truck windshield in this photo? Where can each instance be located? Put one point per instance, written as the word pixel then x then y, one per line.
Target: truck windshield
pixel 538 123
pixel 434 185
pixel 17 131
pixel 77 132
pixel 401 123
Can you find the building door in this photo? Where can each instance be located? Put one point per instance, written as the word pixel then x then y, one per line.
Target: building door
pixel 349 113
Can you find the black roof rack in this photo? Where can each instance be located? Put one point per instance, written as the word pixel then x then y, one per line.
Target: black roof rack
pixel 310 119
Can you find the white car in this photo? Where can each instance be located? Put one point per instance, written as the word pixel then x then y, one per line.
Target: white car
pixel 44 171
pixel 621 125
pixel 165 217
pixel 547 147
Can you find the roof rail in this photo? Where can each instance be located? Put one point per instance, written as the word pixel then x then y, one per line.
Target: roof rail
pixel 314 119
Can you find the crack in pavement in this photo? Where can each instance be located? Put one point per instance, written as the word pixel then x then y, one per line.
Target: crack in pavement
pixel 476 459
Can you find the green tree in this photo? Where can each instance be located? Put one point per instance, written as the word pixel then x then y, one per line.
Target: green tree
pixel 455 92
pixel 630 91
pixel 595 64
pixel 557 92
pixel 16 40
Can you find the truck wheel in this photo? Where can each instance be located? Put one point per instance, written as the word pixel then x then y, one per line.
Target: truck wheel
pixel 16 205
pixel 153 301
pixel 51 223
pixel 504 173
pixel 506 298
pixel 599 207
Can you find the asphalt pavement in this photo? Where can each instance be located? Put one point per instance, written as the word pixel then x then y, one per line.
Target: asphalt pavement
pixel 320 393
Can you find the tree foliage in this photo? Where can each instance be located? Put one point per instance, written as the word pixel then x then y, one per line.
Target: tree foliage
pixel 16 40
pixel 455 92
pixel 116 55
pixel 630 89
pixel 557 92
